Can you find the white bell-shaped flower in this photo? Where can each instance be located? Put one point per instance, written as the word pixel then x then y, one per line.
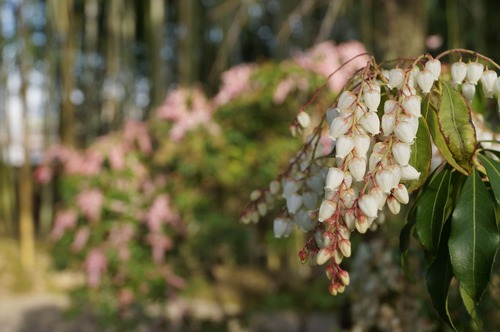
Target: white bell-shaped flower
pixel 383 178
pixel 474 72
pixel 345 248
pixel 348 197
pixel 488 82
pixel 357 168
pixel 372 98
pixel 388 122
pixel 497 86
pixel 350 219
pixel 326 210
pixel 409 172
pixel 458 72
pixel 334 178
pixel 379 195
pixel 303 219
pixel 425 80
pixel 412 105
pixel 405 132
pixel 393 204
pixel 368 205
pixel 331 114
pixel 375 158
pixel 289 187
pixel 434 66
pixel 370 122
pixel 361 144
pixel 346 100
pixel 310 200
pixel 396 174
pixel 282 227
pixel 401 194
pixel 401 153
pixel 362 224
pixel 339 127
pixel 396 78
pixel 316 183
pixel 324 255
pixel 344 146
pixel 293 203
pixel 274 187
pixel 468 90
pixel 390 106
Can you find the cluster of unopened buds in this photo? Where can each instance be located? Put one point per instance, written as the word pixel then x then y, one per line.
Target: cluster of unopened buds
pixel 373 126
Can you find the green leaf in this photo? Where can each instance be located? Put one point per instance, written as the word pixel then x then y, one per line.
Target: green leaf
pixel 429 112
pixel 432 211
pixel 438 277
pixel 471 308
pixel 404 243
pixel 455 123
pixel 474 237
pixel 493 171
pixel 421 155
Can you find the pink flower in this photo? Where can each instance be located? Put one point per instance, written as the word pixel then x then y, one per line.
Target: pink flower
pixel 90 203
pixel 159 244
pixel 81 238
pixel 64 220
pixel 235 82
pixel 95 264
pixel 159 213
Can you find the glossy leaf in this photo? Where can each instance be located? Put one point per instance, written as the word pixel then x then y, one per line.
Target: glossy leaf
pixel 493 171
pixel 438 277
pixel 474 237
pixel 404 244
pixel 471 308
pixel 421 155
pixel 429 111
pixel 456 126
pixel 432 211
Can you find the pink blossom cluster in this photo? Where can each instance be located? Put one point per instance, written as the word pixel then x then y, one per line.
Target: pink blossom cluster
pixel 235 82
pixel 187 109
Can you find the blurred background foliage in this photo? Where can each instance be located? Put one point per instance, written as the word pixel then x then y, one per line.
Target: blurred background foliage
pixel 132 133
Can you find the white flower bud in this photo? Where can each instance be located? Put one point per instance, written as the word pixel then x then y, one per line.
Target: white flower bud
pixel 347 181
pixel 388 122
pixel 346 100
pixel 344 277
pixel 344 232
pixel 488 80
pixel 396 174
pixel 468 90
pixel 254 217
pixel 334 178
pixel 401 153
pixel 379 195
pixel 383 178
pixel 349 196
pixel 293 203
pixel 404 132
pixel 282 227
pixel 425 80
pixel 339 127
pixel 349 219
pixel 337 256
pixel 474 72
pixel 255 195
pixel 390 106
pixel 303 119
pixel 310 200
pixel 434 66
pixel 290 187
pixel 370 122
pixel 412 105
pixel 362 224
pixel 368 205
pixel 409 172
pixel 357 167
pixel 361 144
pixel 326 210
pixel 375 158
pixel 344 146
pixel 345 248
pixel 458 72
pixel 393 204
pixel 274 187
pixel 316 183
pixel 372 98
pixel 323 256
pixel 262 208
pixel 396 78
pixel 401 194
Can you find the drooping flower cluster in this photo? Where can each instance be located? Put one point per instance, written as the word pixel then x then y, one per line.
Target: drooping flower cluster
pixel 373 126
